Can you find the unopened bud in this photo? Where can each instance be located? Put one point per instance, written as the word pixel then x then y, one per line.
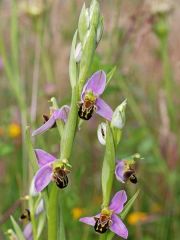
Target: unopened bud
pixel 94 13
pixel 118 118
pixel 84 23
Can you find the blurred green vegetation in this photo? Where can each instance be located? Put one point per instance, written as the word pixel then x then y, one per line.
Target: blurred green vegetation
pixel 34 50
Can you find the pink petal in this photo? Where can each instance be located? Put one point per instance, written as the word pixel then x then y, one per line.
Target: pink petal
pixel 119 171
pixel 118 227
pixel 28 232
pixel 43 157
pixel 117 203
pixel 62 113
pixel 47 125
pixel 103 109
pixel 88 220
pixel 43 177
pixel 96 84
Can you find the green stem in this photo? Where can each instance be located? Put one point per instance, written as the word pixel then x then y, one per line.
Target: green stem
pixel 103 237
pixel 53 213
pixel 66 149
pixel 33 221
pixel 70 127
pixel 61 234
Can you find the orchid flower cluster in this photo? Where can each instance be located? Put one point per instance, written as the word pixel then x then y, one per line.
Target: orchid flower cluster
pixel 86 101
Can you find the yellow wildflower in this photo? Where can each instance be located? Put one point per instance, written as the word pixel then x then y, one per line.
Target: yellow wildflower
pixel 14 130
pixel 137 217
pixel 77 213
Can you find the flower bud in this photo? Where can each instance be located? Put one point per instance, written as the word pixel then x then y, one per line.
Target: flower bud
pixel 94 14
pixel 161 28
pixel 84 22
pixel 101 133
pixel 118 118
pixel 78 52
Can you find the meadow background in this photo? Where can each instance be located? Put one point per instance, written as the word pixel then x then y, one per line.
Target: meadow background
pixel 35 42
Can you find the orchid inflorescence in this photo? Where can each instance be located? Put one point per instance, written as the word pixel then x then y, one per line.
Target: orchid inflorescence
pixel 85 102
pixel 52 169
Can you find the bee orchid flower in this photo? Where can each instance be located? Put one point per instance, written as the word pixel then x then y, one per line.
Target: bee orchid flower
pixel 51 169
pixel 58 114
pixel 90 98
pixel 125 169
pixel 28 231
pixel 108 219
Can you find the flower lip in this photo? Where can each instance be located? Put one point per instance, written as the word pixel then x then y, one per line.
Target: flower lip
pixel 133 178
pixel 86 109
pixel 60 177
pixel 102 223
pixel 25 215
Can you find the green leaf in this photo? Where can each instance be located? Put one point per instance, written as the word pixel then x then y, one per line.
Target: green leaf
pixel 129 205
pixel 72 62
pixel 17 229
pixel 110 75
